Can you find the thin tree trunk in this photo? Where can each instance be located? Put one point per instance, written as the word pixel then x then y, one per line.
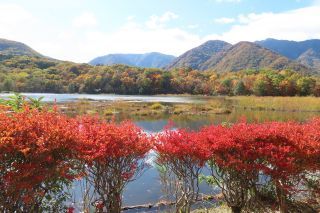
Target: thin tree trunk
pixel 282 200
pixel 236 209
pixel 114 205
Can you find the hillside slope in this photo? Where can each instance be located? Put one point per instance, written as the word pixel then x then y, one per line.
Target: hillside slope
pixel 305 52
pixel 197 57
pixel 248 55
pixel 8 47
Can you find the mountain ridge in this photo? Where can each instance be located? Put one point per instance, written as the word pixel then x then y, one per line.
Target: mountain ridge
pixel 243 55
pixel 248 55
pixel 305 52
pixel 215 55
pixel 147 60
pixel 195 57
pixel 9 47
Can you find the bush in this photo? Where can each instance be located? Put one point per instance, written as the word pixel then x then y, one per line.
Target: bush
pixel 114 154
pixel 157 106
pixel 36 160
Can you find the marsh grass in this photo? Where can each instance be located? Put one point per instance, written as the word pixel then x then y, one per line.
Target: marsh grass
pixel 142 109
pixel 213 105
pixel 157 106
pixel 299 104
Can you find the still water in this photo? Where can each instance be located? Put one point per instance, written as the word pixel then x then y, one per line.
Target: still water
pixel 147 189
pixel 51 97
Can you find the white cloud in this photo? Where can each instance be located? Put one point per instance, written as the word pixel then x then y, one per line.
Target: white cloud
pixel 132 37
pixel 14 20
pixel 246 19
pixel 193 26
pixel 130 18
pixel 85 20
pixel 224 20
pixel 299 24
pixel 159 21
pixel 68 42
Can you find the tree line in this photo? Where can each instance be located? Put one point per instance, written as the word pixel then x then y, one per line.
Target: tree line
pixel 27 74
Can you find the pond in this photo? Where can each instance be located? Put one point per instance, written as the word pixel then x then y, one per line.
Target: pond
pixel 147 189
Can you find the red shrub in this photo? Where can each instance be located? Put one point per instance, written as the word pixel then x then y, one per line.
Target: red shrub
pixel 115 155
pixel 183 154
pixel 35 152
pixel 283 151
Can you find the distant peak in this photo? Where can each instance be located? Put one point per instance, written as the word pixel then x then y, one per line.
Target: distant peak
pixel 215 42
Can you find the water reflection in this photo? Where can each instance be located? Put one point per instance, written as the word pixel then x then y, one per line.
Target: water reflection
pixel 195 122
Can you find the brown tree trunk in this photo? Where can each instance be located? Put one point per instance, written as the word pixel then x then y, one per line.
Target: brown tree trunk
pixel 236 209
pixel 282 200
pixel 114 205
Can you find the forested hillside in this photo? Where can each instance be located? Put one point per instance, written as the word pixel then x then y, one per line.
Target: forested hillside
pixel 8 47
pixel 34 74
pixel 305 52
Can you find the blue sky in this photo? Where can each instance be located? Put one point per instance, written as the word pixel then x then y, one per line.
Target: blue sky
pixel 80 30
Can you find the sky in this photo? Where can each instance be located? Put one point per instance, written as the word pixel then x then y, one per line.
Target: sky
pixel 80 30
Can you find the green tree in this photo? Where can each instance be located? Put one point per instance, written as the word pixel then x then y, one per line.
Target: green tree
pixel 240 88
pixel 305 85
pixel 8 85
pixel 263 87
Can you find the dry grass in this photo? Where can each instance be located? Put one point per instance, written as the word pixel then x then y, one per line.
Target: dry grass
pixel 277 103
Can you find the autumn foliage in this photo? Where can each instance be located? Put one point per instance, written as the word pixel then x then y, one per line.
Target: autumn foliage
pixel 246 158
pixel 182 153
pixel 35 152
pixel 114 155
pixel 42 152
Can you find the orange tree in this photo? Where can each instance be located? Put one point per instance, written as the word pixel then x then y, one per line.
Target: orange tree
pixel 114 155
pixel 182 153
pixel 36 152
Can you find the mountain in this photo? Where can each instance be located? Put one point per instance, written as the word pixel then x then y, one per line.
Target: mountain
pixel 222 57
pixel 306 52
pixel 13 48
pixel 196 58
pixel 310 58
pixel 248 55
pixel 147 60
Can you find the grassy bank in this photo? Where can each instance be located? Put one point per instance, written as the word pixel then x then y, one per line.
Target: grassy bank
pixel 277 103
